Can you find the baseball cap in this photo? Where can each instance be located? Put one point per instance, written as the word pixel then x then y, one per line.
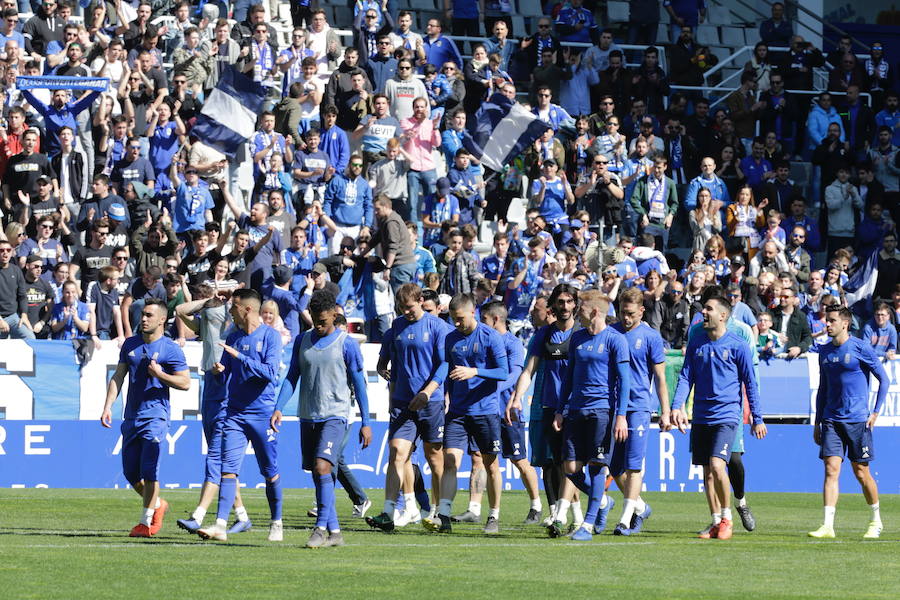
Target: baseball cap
pixel 320 268
pixel 443 186
pixel 116 212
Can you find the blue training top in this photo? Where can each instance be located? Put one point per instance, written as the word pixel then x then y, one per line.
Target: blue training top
pixel 716 370
pixel 252 375
pixel 600 366
pixel 416 352
pixel 148 397
pixel 844 382
pixel 645 347
pixel 484 350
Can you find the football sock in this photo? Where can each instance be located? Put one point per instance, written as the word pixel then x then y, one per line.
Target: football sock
pixel 221 523
pixel 198 514
pixel 736 474
pixel 227 492
pixel 409 501
pixel 158 503
pixel 324 498
pixel 273 495
pixel 716 518
pixel 494 513
pixel 577 515
pixel 726 514
pixel 475 508
pixel 640 506
pixel 627 511
pixel 596 493
pixel 241 513
pixel 829 516
pixel 445 506
pixel 562 510
pixel 876 512
pixel 147 516
pixel 536 505
pixel 742 502
pixel 389 506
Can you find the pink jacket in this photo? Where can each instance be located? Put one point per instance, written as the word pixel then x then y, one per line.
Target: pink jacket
pixel 424 138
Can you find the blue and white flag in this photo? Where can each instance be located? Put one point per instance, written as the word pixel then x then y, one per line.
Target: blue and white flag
pixel 501 131
pixel 859 289
pixel 228 118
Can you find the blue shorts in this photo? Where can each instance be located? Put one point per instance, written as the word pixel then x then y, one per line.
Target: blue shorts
pixel 587 436
pixel 553 439
pixel 321 439
pixel 852 439
pixel 140 448
pixel 712 440
pixel 426 423
pixel 237 430
pixel 512 439
pixel 483 429
pixel 629 455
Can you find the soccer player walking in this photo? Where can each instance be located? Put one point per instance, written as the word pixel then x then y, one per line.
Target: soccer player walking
pixel 477 365
pixel 843 421
pixel 208 317
pixel 648 363
pixel 153 363
pixel 250 365
pixel 414 349
pixel 327 361
pixel 512 432
pixel 716 364
pixel 599 363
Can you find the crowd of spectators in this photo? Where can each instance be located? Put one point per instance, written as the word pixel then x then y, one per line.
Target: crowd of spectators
pixel 357 178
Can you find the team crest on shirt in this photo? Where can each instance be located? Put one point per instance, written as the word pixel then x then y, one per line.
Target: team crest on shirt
pixel 638 343
pixel 600 348
pixel 725 354
pixel 475 347
pixel 245 347
pixel 847 359
pixel 425 336
pixel 259 346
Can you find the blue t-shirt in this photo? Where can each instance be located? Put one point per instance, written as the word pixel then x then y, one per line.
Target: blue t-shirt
pixel 484 350
pixel 252 376
pixel 70 331
pixel 742 313
pixel 844 370
pixel 163 146
pixel 553 208
pixel 191 204
pixel 416 353
pixel 105 302
pixel 882 339
pixel 493 267
pixel 552 346
pixel 599 365
pixel 148 397
pixel 438 210
pixel 645 346
pixel 716 370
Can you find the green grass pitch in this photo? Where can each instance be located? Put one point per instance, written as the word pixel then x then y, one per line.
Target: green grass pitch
pixel 73 544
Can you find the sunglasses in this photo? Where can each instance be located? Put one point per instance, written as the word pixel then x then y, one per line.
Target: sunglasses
pixel 601 162
pixel 449 68
pixel 544 95
pixel 384 43
pixel 102 233
pixel 677 292
pixel 343 247
pixel 120 258
pixel 355 164
pixel 543 26
pixel 607 103
pixel 371 16
pixel 404 68
pixel 46 225
pixel 181 81
pixel 171 266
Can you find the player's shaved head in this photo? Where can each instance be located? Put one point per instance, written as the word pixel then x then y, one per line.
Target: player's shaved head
pixel 495 309
pixel 594 300
pixel 462 302
pixel 248 297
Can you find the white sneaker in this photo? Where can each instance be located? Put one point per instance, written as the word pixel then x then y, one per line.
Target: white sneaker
pixel 402 518
pixel 874 530
pixel 276 532
pixel 213 532
pixel 414 516
pixel 359 510
pixel 432 514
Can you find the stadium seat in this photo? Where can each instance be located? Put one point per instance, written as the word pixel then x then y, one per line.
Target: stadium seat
pixel 530 8
pixel 732 37
pixel 518 25
pixel 662 34
pixel 751 36
pixel 707 35
pixel 617 12
pixel 343 16
pixel 718 15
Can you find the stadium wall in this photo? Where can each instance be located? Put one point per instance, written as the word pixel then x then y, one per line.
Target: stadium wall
pixel 50 433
